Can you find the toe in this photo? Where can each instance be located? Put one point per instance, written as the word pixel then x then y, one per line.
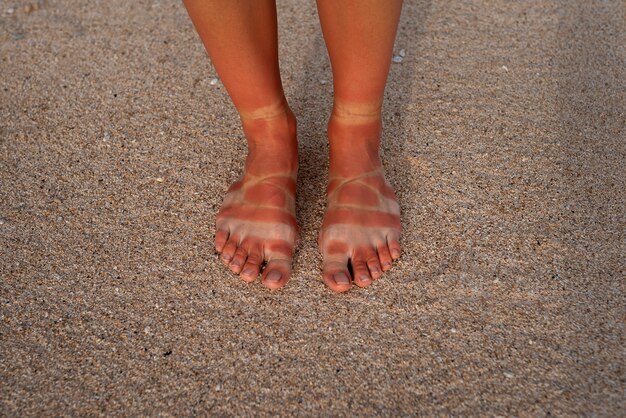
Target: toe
pixel 384 256
pixel 229 251
pixel 361 273
pixel 362 277
pixel 373 263
pixel 238 260
pixel 336 274
pixel 252 267
pixel 394 246
pixel 221 237
pixel 276 273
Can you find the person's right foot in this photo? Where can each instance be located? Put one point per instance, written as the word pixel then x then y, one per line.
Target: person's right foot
pixel 256 223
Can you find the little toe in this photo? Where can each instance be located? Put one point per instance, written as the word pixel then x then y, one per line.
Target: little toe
pixel 221 237
pixel 336 275
pixel 276 273
pixel 229 251
pixel 384 256
pixel 394 246
pixel 252 267
pixel 238 260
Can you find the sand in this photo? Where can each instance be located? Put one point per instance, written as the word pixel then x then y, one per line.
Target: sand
pixel 504 139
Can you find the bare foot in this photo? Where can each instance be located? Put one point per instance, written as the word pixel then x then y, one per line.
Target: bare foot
pixel 256 223
pixel 361 227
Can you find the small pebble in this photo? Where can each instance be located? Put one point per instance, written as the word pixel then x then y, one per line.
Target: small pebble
pixel 10 11
pixel 402 53
pixel 505 68
pixel 508 375
pixel 31 8
pixel 322 81
pixel 397 59
pixel 214 81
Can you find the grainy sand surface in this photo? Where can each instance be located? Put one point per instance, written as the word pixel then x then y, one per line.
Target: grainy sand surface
pixel 504 139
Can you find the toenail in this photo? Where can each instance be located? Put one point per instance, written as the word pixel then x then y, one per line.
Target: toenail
pixel 247 272
pixel 235 263
pixel 387 265
pixel 341 278
pixel 395 253
pixel 273 276
pixel 365 278
pixel 226 257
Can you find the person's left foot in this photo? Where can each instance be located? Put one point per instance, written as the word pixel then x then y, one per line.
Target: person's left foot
pixel 361 228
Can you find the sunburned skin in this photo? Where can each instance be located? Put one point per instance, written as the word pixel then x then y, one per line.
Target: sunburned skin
pixel 256 223
pixel 361 228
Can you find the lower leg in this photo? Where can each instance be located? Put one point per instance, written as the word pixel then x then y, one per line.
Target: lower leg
pixel 256 223
pixel 362 224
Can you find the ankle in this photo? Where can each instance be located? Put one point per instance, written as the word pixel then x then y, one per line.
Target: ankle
pixel 353 163
pixel 354 140
pixel 274 123
pixel 272 143
pixel 356 113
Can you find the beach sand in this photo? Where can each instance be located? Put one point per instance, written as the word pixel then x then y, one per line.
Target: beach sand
pixel 504 138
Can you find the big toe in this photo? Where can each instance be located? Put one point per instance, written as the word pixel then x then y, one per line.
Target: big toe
pixel 336 275
pixel 276 273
